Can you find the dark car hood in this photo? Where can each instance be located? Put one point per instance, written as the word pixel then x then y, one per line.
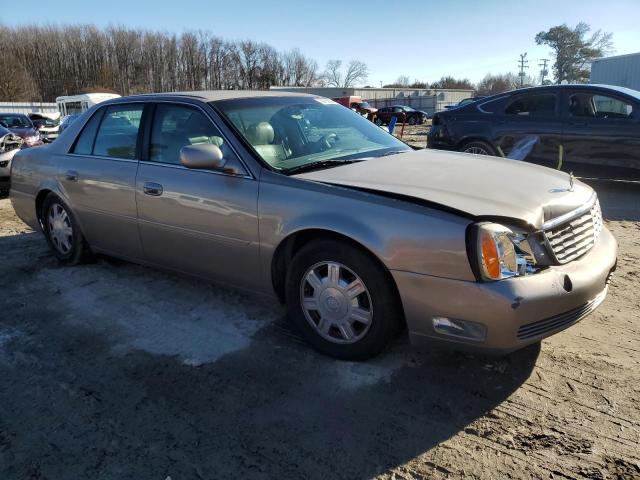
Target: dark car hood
pixel 479 186
pixel 24 132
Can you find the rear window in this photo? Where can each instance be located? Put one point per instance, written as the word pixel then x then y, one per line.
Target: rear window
pixel 532 105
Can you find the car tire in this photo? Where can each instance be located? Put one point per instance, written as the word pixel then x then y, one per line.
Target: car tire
pixel 478 148
pixel 378 122
pixel 62 232
pixel 412 120
pixel 353 297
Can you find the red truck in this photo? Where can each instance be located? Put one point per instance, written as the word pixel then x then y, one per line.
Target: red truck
pixel 357 104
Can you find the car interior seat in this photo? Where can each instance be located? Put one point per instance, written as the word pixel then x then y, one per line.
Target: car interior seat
pixel 261 136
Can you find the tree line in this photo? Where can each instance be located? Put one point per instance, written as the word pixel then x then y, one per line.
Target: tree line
pixel 42 62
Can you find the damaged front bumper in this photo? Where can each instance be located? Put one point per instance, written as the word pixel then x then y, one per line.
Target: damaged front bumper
pixel 10 144
pixel 503 316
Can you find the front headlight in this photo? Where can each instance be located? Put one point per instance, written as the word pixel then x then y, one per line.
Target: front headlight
pixel 502 252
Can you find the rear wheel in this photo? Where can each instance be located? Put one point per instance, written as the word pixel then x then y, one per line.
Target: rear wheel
pixel 342 301
pixel 478 148
pixel 378 121
pixel 62 231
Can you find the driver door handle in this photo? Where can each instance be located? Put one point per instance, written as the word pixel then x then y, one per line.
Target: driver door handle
pixel 153 189
pixel 71 175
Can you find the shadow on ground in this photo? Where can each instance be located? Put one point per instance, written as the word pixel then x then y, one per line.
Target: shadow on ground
pixel 81 398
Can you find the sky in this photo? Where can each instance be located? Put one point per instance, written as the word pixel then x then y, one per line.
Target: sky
pixel 424 40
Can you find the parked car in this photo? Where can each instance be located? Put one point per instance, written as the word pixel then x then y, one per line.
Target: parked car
pixel 403 113
pixel 66 121
pixel 560 126
pixel 10 143
pixel 465 101
pixel 295 196
pixel 48 124
pixel 19 124
pixel 356 104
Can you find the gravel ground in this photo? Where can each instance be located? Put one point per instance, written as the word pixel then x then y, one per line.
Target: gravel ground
pixel 112 371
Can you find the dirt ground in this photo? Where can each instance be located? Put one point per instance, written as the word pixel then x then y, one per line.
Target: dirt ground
pixel 115 371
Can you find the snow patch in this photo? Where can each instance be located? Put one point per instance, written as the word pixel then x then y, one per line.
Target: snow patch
pixel 353 375
pixel 161 314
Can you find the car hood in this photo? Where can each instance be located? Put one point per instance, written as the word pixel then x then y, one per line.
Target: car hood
pixel 478 186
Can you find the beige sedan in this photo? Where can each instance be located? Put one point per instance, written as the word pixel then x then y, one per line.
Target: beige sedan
pixel 298 197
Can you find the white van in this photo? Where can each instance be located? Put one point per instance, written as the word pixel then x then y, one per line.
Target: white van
pixel 75 104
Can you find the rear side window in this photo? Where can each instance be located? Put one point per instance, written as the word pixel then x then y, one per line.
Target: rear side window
pixel 84 144
pixel 533 105
pixel 118 132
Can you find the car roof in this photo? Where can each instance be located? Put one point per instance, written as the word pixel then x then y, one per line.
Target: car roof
pixel 215 95
pixel 583 86
pixel 13 113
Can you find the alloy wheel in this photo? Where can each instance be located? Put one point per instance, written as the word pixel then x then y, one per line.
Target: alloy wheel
pixel 476 150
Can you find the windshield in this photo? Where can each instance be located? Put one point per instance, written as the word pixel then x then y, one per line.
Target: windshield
pixel 15 121
pixel 289 133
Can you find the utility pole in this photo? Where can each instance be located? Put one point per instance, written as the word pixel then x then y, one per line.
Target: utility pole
pixel 544 72
pixel 522 63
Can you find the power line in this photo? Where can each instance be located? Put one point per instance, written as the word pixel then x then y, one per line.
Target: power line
pixel 522 64
pixel 544 72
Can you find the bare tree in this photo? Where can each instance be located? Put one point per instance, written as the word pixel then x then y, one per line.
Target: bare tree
pixel 403 81
pixel 357 72
pixel 333 74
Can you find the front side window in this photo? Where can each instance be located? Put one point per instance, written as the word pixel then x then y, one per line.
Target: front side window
pixel 118 132
pixel 290 133
pixel 533 105
pixel 176 126
pixel 598 106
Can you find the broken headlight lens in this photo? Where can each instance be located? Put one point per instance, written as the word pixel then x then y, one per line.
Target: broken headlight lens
pixel 502 252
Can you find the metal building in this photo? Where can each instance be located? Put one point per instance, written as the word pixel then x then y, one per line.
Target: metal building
pixel 429 100
pixel 621 70
pixel 28 107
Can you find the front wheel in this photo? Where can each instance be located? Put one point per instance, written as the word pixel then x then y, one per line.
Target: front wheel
pixel 63 232
pixel 412 120
pixel 378 122
pixel 342 301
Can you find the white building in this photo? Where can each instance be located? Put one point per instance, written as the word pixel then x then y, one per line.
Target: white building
pixel 621 70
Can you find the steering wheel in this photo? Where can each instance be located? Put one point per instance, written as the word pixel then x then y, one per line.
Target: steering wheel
pixel 327 141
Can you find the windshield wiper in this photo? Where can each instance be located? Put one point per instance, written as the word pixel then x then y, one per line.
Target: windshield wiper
pixel 395 152
pixel 319 165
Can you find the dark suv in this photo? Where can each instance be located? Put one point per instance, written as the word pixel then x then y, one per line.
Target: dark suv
pixel 404 115
pixel 563 126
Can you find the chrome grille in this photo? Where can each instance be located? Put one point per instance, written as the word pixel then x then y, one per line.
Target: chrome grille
pixel 576 236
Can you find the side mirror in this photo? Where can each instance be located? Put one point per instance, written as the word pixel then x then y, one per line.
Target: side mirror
pixel 203 157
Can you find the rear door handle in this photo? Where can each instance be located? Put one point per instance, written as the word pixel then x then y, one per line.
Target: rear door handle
pixel 71 175
pixel 153 189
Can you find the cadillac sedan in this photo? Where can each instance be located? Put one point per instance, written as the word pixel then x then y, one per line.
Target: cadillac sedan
pixel 297 197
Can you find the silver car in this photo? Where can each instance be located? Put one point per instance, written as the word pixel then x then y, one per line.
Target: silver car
pixel 298 197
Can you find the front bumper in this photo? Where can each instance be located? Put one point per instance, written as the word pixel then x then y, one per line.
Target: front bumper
pixel 515 312
pixel 5 168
